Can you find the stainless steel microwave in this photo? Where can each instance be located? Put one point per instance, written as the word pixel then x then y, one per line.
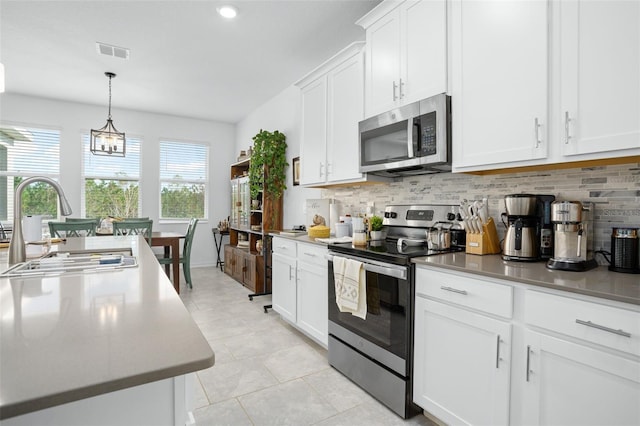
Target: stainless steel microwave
pixel 410 140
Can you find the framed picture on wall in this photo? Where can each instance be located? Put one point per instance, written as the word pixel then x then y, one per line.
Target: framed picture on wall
pixel 296 171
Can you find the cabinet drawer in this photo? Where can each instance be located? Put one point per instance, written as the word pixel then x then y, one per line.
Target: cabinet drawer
pixel 312 254
pixel 470 292
pixel 609 326
pixel 284 246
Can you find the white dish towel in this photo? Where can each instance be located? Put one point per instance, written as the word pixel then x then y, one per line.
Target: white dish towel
pixel 350 285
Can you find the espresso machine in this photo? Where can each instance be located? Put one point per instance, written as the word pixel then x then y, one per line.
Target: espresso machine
pixel 573 236
pixel 521 241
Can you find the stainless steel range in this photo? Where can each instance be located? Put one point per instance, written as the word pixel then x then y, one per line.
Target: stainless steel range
pixel 376 352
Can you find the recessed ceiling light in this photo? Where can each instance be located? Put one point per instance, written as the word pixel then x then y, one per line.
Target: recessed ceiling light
pixel 227 11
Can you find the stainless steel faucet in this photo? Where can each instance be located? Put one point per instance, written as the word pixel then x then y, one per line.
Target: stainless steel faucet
pixel 17 252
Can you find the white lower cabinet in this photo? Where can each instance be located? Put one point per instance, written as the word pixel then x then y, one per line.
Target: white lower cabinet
pixel 491 352
pixel 313 300
pixel 572 384
pixel 283 286
pixel 462 366
pixel 299 286
pixel 461 357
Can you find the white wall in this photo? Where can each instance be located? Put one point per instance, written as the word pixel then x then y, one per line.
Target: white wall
pixel 283 113
pixel 74 119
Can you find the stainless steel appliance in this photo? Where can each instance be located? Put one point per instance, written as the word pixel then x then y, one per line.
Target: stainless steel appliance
pixel 376 353
pixel 410 140
pixel 521 240
pixel 573 236
pixel 625 251
pixel 545 227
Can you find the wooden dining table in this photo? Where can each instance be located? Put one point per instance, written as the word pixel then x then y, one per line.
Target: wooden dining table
pixel 171 243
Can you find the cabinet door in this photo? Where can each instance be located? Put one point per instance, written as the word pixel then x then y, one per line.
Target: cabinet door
pixel 461 364
pixel 228 259
pixel 314 133
pixel 499 87
pixel 424 50
pixel 249 270
pixel 283 286
pixel 571 384
pixel 383 64
pixel 345 110
pixel 600 69
pixel 313 314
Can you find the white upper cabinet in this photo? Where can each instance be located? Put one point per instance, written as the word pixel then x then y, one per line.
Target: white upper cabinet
pixel 406 53
pixel 544 82
pixel 332 106
pixel 499 82
pixel 600 77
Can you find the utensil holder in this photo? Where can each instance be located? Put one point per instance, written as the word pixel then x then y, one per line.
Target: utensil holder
pixel 485 242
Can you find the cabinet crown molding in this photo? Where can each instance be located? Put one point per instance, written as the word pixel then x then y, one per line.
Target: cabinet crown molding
pixel 378 12
pixel 352 49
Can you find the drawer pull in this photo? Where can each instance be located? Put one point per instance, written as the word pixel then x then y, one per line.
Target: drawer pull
pixel 310 254
pixel 498 359
pixel 528 360
pixel 603 328
pixel 454 290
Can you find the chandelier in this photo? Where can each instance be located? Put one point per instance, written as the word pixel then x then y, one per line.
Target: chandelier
pixel 107 140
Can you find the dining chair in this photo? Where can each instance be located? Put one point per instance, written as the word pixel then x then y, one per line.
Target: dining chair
pixel 134 227
pixel 185 258
pixel 80 228
pixel 82 219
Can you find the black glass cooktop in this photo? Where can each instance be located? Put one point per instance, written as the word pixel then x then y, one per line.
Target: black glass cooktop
pixel 388 251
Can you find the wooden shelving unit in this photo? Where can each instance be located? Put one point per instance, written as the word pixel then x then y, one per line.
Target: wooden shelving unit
pixel 247 264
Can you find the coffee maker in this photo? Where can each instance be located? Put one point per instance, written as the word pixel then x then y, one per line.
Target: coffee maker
pixel 573 236
pixel 521 241
pixel 545 227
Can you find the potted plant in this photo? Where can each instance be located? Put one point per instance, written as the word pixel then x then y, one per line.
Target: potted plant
pixel 267 171
pixel 375 222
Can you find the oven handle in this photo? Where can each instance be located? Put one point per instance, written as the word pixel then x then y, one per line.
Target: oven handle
pixel 376 267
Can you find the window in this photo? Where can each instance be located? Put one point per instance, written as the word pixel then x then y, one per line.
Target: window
pixel 183 180
pixel 111 184
pixel 26 152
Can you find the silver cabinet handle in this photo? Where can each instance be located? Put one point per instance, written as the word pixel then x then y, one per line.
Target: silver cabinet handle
pixel 498 359
pixel 401 91
pixel 454 290
pixel 395 87
pixel 309 254
pixel 528 361
pixel 321 171
pixel 619 332
pixel 290 275
pixel 537 131
pixel 566 127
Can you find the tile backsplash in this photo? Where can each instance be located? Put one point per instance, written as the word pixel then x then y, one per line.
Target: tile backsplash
pixel 614 190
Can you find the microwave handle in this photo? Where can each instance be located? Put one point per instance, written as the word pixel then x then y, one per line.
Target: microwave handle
pixel 412 139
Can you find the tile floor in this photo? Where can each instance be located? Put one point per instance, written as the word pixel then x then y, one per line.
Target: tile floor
pixel 266 372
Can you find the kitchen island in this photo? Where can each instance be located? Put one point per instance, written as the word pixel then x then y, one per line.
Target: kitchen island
pixel 97 347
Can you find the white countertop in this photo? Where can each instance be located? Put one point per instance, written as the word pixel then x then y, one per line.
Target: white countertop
pixel 598 282
pixel 69 337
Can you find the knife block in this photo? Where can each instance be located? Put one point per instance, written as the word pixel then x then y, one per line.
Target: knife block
pixel 485 242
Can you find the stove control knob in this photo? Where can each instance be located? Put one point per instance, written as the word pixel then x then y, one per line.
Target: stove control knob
pixel 387 215
pixel 451 216
pixel 393 215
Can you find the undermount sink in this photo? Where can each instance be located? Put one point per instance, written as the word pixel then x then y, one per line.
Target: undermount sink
pixel 73 262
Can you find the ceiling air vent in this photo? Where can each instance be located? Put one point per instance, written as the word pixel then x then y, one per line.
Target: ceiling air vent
pixel 115 51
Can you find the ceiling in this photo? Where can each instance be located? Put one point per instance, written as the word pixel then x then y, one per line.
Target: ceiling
pixel 185 59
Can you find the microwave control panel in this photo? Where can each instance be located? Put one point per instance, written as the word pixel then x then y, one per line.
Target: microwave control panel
pixel 428 140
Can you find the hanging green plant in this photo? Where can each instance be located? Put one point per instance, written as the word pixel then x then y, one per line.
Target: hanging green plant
pixel 267 169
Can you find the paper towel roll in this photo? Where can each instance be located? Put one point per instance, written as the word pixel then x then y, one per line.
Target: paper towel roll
pixel 32 228
pixel 333 217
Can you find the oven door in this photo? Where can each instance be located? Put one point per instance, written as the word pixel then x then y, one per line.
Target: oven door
pixel 385 334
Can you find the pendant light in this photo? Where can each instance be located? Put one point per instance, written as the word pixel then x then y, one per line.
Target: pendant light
pixel 107 140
